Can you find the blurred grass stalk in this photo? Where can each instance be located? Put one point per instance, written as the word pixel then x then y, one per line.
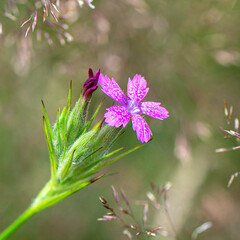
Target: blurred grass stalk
pixel 185 186
pixel 76 152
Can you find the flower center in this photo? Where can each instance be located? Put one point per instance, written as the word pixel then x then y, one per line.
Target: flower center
pixel 132 105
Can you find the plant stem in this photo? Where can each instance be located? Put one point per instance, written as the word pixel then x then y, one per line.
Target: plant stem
pixel 18 222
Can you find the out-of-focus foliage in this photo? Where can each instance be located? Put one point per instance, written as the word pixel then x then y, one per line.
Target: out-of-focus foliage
pixel 188 51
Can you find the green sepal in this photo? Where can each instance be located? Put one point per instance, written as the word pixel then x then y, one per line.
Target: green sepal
pixel 79 154
pixel 83 141
pixel 89 123
pixel 106 138
pixel 75 121
pixel 69 99
pixel 49 129
pixel 53 161
pixel 64 167
pixel 91 168
pixel 64 149
pixel 95 166
pixel 59 137
pixel 67 166
pixel 118 157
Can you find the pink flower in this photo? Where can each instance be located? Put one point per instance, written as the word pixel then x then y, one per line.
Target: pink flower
pixel 131 107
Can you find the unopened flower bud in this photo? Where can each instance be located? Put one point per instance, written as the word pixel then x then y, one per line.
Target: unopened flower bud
pixel 91 84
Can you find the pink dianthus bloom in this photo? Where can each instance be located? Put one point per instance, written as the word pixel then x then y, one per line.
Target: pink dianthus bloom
pixel 131 105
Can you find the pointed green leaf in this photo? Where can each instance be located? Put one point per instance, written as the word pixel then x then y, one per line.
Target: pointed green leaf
pixel 94 116
pixel 64 149
pixel 83 140
pixel 95 163
pixel 59 140
pixel 75 121
pixel 120 156
pixel 50 149
pixel 80 153
pixel 67 166
pixel 48 124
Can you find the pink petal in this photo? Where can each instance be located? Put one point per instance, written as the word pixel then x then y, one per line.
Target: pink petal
pixel 141 127
pixel 117 116
pixel 111 88
pixel 137 88
pixel 153 109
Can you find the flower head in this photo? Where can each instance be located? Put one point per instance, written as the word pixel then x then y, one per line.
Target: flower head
pixel 77 148
pixel 131 105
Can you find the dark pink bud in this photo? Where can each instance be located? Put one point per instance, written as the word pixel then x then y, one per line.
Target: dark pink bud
pixel 91 84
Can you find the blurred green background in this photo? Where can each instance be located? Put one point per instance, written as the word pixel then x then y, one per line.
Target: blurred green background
pixel 189 52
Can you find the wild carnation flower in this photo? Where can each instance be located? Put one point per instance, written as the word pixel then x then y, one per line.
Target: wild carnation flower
pixel 131 105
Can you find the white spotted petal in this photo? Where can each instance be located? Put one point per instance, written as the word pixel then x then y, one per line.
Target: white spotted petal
pixel 137 88
pixel 153 109
pixel 117 116
pixel 111 88
pixel 141 127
